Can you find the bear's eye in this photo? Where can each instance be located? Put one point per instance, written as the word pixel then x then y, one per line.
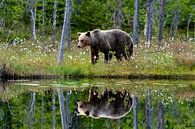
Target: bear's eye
pixel 81 40
pixel 81 106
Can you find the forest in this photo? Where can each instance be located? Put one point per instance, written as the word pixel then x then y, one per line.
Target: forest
pixel 38 35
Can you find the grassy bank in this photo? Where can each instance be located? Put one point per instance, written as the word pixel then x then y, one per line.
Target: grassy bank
pixel 170 59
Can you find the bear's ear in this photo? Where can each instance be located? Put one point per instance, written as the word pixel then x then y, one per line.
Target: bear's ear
pixel 78 33
pixel 88 33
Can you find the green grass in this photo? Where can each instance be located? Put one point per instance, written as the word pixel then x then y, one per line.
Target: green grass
pixel 25 59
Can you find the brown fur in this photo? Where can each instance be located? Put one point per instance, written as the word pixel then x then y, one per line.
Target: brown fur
pixel 113 105
pixel 105 41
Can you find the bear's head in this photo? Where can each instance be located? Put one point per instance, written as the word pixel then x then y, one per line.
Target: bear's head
pixel 83 108
pixel 84 39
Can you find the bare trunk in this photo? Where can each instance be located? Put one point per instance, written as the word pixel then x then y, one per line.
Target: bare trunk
pixel 78 1
pixel 136 22
pixel 68 113
pixel 160 115
pixel 33 10
pixel 118 15
pixel 43 24
pixel 54 22
pixel 42 113
pixel 176 20
pixel 174 25
pixel 62 109
pixel 7 40
pixel 135 112
pixel 69 30
pixel 54 109
pixel 161 21
pixel 31 113
pixel 189 20
pixel 64 32
pixel 148 26
pixel 148 126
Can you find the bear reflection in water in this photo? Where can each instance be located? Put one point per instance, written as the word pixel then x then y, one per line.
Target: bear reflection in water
pixel 110 104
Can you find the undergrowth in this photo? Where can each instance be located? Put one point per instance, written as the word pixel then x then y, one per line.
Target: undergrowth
pixel 28 58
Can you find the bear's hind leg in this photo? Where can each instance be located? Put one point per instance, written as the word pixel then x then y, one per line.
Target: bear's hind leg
pixel 110 56
pixel 106 56
pixel 118 56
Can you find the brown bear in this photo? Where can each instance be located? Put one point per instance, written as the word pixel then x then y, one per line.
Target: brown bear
pixel 112 105
pixel 105 41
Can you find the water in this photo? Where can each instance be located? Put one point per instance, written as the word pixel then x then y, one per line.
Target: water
pixel 47 104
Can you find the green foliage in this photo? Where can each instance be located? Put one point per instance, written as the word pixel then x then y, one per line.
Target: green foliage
pixel 184 8
pixel 86 15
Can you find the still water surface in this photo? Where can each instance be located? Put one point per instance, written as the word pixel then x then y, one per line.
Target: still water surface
pixel 97 104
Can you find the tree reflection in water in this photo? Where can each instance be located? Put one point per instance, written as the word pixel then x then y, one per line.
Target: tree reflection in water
pixel 23 106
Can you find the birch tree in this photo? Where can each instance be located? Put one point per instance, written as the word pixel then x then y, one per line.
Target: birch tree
pixel 69 30
pixel 42 112
pixel 174 25
pixel 62 109
pixel 33 10
pixel 64 31
pixel 135 112
pixel 148 25
pixel 118 15
pixel 175 21
pixel 189 20
pixel 43 23
pixel 161 21
pixel 54 22
pixel 54 109
pixel 66 117
pixel 160 115
pixel 136 22
pixel 148 109
pixel 31 113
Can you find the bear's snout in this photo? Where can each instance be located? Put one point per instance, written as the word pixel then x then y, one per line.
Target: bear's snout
pixel 78 46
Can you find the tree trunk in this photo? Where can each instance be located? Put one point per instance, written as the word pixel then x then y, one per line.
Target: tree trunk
pixel 161 21
pixel 189 20
pixel 118 15
pixel 148 25
pixel 67 109
pixel 33 10
pixel 7 40
pixel 54 109
pixel 176 20
pixel 136 22
pixel 135 112
pixel 62 109
pixel 78 1
pixel 174 25
pixel 54 22
pixel 43 24
pixel 42 113
pixel 69 30
pixel 148 109
pixel 31 115
pixel 160 115
pixel 64 32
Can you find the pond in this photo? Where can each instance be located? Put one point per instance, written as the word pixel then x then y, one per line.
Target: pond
pixel 97 104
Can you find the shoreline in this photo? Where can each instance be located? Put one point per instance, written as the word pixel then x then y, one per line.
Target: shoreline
pixel 6 74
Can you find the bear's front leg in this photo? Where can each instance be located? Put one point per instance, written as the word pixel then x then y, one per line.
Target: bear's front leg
pixel 94 55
